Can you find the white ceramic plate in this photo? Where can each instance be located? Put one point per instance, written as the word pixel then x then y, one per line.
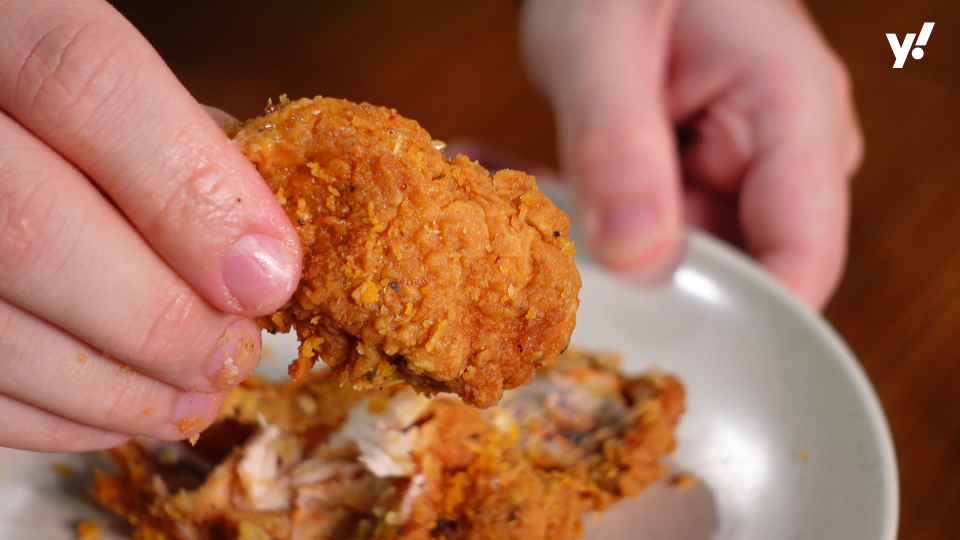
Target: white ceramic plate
pixel 783 431
pixel 784 434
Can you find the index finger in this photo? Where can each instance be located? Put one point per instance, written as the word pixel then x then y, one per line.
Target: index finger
pixel 82 79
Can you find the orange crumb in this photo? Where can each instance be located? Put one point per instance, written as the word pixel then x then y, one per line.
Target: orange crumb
pixel 88 530
pixel 123 369
pixel 232 365
pixel 229 373
pixel 148 411
pixel 246 345
pixel 189 424
pixel 227 337
pixel 803 456
pixel 82 358
pixel 62 468
pixel 683 480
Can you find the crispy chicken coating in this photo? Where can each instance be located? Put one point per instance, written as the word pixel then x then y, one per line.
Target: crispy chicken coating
pixel 317 461
pixel 417 269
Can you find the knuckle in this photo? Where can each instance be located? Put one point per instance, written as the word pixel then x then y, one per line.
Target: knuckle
pixel 9 349
pixel 119 410
pixel 856 147
pixel 833 74
pixel 68 63
pixel 128 411
pixel 164 348
pixel 839 73
pixel 20 333
pixel 594 146
pixel 202 194
pixel 24 214
pixel 619 157
pixel 852 142
pixel 840 81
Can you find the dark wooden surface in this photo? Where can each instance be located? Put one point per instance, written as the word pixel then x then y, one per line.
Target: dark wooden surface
pixel 454 67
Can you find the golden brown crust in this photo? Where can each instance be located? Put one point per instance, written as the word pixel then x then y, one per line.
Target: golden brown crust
pixel 578 439
pixel 417 269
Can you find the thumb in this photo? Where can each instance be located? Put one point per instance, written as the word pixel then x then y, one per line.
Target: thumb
pixel 603 64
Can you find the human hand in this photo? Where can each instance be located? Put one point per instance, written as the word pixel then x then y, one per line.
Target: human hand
pixel 768 135
pixel 133 234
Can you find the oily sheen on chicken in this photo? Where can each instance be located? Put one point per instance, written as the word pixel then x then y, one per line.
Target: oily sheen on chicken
pixel 418 269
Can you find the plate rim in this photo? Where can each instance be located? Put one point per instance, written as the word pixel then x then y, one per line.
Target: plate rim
pixel 700 243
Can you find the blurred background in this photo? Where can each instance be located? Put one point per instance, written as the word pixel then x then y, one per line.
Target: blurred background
pixel 454 67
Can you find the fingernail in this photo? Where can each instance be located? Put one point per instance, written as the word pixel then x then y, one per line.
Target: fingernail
pixel 236 355
pixel 633 238
pixel 628 221
pixel 622 230
pixel 193 411
pixel 259 272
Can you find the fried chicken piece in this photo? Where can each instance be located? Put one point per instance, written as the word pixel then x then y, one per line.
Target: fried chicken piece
pixel 324 462
pixel 417 269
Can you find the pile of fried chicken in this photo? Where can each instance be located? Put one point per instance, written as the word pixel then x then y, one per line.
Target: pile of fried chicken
pixel 311 459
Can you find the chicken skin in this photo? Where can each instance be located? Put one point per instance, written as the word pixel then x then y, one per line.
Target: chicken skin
pixel 310 459
pixel 418 269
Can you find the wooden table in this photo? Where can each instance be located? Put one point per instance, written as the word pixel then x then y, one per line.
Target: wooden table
pixel 453 66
